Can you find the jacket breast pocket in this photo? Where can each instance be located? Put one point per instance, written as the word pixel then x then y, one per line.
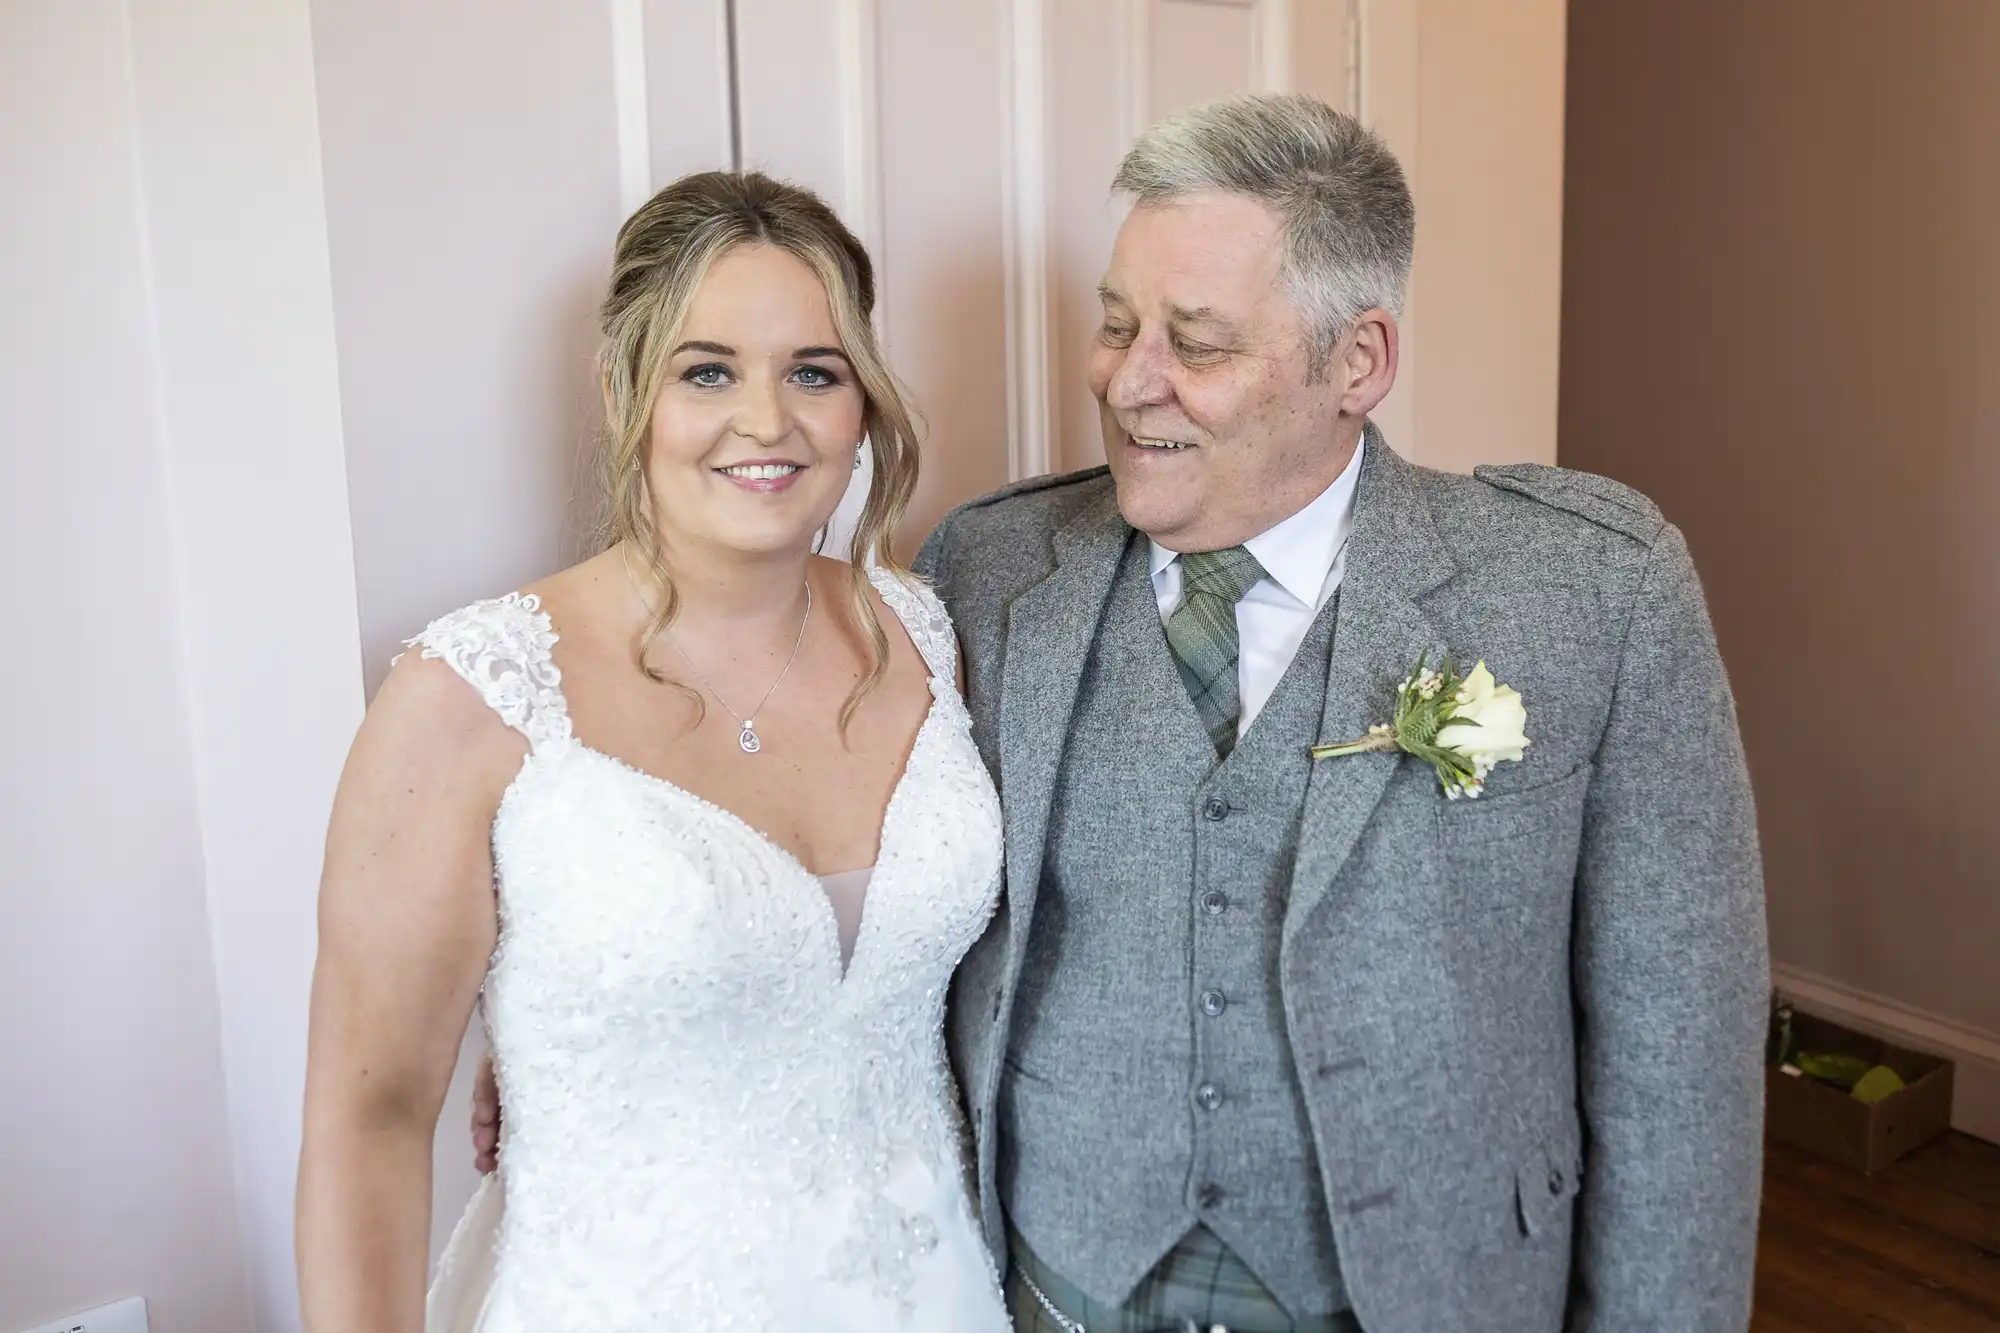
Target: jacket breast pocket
pixel 1514 850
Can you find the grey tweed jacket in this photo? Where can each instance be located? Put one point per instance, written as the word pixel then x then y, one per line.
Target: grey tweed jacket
pixel 1528 1028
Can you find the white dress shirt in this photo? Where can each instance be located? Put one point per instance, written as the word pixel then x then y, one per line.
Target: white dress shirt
pixel 1303 559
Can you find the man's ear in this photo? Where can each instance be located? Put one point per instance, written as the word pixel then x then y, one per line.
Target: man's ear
pixel 1364 363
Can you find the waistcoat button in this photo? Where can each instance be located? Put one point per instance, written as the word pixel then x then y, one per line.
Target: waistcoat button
pixel 1213 1002
pixel 1215 808
pixel 1215 902
pixel 1208 1196
pixel 1208 1097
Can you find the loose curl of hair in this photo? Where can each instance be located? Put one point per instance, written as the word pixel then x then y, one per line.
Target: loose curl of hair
pixel 664 251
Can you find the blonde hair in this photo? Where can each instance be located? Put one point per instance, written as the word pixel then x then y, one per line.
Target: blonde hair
pixel 664 251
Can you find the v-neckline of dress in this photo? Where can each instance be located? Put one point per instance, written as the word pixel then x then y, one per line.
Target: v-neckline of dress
pixel 843 969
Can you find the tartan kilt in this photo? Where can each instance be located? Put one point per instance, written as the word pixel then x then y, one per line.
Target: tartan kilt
pixel 1201 1283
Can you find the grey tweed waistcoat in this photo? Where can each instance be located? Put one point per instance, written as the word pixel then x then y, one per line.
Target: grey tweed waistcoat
pixel 1149 1085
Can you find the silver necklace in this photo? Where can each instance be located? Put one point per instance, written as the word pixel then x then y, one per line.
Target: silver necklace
pixel 747 738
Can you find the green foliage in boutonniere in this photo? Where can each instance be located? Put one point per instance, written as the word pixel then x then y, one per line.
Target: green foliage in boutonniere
pixel 1460 725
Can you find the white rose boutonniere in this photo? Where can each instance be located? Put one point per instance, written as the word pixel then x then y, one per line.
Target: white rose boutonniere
pixel 1460 725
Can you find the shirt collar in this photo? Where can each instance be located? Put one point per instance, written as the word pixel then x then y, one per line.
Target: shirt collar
pixel 1298 552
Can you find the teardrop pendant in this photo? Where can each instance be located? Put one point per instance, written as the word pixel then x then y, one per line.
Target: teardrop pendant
pixel 747 739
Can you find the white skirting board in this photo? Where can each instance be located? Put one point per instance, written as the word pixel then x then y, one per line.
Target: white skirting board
pixel 127 1316
pixel 1975 1106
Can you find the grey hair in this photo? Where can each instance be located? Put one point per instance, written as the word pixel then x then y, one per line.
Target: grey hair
pixel 1350 227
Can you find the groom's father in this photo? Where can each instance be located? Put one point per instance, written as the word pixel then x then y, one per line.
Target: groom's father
pixel 1278 1044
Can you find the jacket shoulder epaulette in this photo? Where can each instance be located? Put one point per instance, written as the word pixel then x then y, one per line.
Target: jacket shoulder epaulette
pixel 1607 503
pixel 1047 481
pixel 928 558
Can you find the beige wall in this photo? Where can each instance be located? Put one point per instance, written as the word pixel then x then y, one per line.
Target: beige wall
pixel 115 1168
pixel 1782 319
pixel 1487 288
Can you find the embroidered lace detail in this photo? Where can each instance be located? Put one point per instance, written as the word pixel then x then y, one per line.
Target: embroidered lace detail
pixel 708 1124
pixel 501 646
pixel 918 607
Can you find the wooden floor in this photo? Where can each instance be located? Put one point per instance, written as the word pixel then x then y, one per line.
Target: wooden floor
pixel 1916 1248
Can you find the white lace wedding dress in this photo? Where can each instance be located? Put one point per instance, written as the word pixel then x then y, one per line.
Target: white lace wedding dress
pixel 708 1124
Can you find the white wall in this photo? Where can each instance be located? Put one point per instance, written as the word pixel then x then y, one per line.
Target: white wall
pixel 115 1166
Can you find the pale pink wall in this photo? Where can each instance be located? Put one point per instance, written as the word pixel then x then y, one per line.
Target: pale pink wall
pixel 1090 124
pixel 236 233
pixel 944 291
pixel 472 195
pixel 115 1170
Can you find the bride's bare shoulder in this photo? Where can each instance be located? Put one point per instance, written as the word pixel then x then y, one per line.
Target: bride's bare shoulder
pixel 584 585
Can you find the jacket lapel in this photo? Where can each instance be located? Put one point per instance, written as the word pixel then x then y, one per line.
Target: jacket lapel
pixel 1049 632
pixel 1394 557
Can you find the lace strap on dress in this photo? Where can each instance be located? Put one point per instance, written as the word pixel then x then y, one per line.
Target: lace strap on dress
pixel 924 616
pixel 501 647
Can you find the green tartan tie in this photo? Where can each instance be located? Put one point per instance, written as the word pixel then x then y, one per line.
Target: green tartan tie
pixel 1202 634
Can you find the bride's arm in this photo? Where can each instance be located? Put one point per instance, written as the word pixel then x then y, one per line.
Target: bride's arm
pixel 406 922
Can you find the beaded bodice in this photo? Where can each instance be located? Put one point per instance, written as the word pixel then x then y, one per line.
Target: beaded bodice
pixel 686 1073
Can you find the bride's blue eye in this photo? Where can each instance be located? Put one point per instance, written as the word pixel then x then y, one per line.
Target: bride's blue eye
pixel 815 377
pixel 709 376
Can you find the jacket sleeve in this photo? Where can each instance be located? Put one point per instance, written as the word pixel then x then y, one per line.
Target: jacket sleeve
pixel 1672 983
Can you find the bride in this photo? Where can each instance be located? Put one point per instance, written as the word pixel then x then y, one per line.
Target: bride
pixel 700 825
